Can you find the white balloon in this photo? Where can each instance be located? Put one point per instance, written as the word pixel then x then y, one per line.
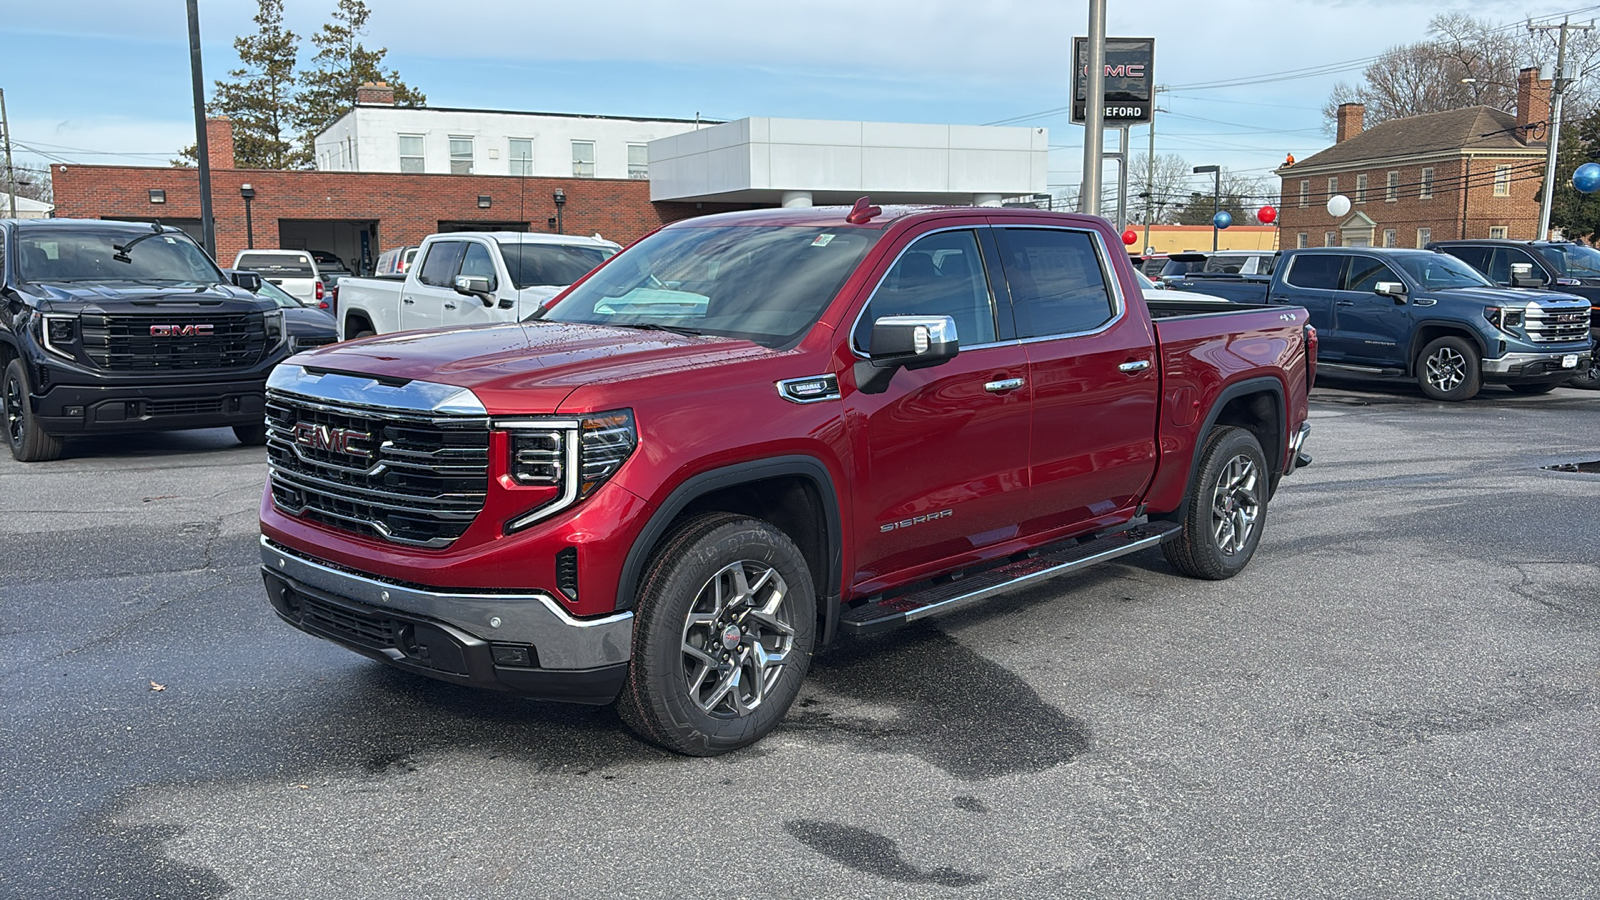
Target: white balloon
pixel 1338 205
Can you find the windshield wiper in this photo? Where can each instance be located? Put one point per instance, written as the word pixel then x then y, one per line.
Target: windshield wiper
pixel 654 326
pixel 122 249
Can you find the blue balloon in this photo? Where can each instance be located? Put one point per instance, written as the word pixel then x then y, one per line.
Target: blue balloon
pixel 1587 178
pixel 1223 219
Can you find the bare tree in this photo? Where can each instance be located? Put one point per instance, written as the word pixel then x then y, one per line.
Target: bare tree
pixel 33 182
pixel 1159 191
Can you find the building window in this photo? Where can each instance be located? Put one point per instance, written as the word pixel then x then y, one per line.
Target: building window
pixel 1391 237
pixel 1300 241
pixel 638 161
pixel 1391 192
pixel 1333 185
pixel 1330 239
pixel 1361 188
pixel 410 153
pixel 521 156
pixel 460 155
pixel 1425 192
pixel 1305 192
pixel 1498 231
pixel 1424 235
pixel 583 159
pixel 1502 181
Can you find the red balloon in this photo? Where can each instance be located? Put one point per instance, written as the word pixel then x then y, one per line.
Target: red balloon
pixel 1266 214
pixel 1130 237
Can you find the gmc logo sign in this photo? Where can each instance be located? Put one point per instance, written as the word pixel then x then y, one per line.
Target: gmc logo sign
pixel 180 330
pixel 332 440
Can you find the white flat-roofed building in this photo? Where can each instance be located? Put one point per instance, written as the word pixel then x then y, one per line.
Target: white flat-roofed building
pixel 377 136
pixel 802 162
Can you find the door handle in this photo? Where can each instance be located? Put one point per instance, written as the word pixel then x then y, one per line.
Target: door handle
pixel 449 306
pixel 407 301
pixel 1003 385
pixel 1131 368
pixel 1344 303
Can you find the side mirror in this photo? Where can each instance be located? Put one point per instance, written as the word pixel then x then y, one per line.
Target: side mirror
pixel 250 281
pixel 1524 275
pixel 475 286
pixel 905 342
pixel 1394 289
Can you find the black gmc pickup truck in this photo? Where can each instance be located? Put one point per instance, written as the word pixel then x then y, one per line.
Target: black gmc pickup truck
pixel 110 327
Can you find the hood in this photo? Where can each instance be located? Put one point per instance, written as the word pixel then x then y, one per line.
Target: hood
pixel 528 367
pixel 134 296
pixel 1498 296
pixel 303 321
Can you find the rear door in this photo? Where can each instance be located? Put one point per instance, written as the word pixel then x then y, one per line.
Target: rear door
pixel 423 299
pixel 1093 370
pixel 1310 281
pixel 1370 328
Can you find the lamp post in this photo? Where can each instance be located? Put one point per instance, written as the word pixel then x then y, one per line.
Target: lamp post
pixel 248 193
pixel 561 201
pixel 1216 198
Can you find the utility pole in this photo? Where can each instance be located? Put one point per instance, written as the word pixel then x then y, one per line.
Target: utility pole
pixel 1150 170
pixel 11 172
pixel 202 149
pixel 1094 110
pixel 1553 133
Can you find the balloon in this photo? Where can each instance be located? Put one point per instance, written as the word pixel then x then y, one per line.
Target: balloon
pixel 1130 237
pixel 1338 205
pixel 1222 219
pixel 1266 214
pixel 1587 178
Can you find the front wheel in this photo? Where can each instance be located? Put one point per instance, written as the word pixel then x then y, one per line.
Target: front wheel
pixel 1589 378
pixel 1449 368
pixel 724 632
pixel 29 443
pixel 1227 508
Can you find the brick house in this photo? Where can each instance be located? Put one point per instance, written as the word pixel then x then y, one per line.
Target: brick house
pixel 1473 172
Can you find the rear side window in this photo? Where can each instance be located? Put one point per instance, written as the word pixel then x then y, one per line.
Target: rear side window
pixel 938 275
pixel 281 265
pixel 1317 271
pixel 1057 283
pixel 1476 257
pixel 443 260
pixel 1365 273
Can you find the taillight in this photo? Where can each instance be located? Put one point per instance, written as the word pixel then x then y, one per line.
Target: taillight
pixel 319 290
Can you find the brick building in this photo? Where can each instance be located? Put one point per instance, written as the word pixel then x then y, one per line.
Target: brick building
pixel 1473 172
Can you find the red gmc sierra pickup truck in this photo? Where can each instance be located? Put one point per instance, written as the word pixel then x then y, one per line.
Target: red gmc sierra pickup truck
pixel 750 433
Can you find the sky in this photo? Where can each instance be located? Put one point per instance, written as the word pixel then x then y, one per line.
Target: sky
pixel 108 81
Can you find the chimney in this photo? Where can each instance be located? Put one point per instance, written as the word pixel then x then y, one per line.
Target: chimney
pixel 219 142
pixel 1533 106
pixel 1349 117
pixel 377 93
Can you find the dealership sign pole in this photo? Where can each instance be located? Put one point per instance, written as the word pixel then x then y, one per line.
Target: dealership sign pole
pixel 1094 131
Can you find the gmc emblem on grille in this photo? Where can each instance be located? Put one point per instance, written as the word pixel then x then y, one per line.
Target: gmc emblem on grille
pixel 180 330
pixel 331 439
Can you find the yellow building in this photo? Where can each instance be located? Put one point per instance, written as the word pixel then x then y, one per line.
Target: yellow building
pixel 1181 238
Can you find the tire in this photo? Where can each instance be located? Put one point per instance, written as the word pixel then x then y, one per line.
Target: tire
pixel 251 435
pixel 1227 508
pixel 362 334
pixel 687 689
pixel 29 443
pixel 1588 379
pixel 1449 368
pixel 1535 387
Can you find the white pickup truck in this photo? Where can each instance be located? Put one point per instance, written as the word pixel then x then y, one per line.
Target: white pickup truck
pixel 469 278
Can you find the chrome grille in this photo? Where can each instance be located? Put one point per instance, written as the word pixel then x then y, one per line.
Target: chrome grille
pixel 1550 325
pixel 130 343
pixel 402 476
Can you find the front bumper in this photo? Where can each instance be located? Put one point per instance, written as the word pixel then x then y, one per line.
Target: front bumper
pixel 519 642
pixel 1541 366
pixel 124 407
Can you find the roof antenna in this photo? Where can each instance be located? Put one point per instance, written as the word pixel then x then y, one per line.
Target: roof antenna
pixel 863 212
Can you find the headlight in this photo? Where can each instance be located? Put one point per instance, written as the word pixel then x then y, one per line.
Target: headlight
pixel 60 333
pixel 571 458
pixel 1504 319
pixel 274 324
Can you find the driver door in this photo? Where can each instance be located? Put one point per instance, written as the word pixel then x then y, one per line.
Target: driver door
pixel 423 302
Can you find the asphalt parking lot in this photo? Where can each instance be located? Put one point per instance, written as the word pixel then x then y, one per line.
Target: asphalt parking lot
pixel 1398 699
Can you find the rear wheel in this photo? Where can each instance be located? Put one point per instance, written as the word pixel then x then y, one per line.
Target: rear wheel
pixel 1227 508
pixel 1535 387
pixel 724 634
pixel 29 443
pixel 1449 368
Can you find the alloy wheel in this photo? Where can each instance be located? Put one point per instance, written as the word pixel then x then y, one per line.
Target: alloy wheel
pixel 14 411
pixel 736 639
pixel 1447 368
pixel 1235 505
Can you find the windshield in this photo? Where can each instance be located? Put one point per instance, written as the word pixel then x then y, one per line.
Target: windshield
pixel 1573 260
pixel 281 265
pixel 55 254
pixel 1440 270
pixel 534 265
pixel 279 296
pixel 767 284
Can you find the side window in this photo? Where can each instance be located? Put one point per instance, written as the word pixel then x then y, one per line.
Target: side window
pixel 478 261
pixel 939 275
pixel 439 268
pixel 1057 283
pixel 1316 271
pixel 1365 273
pixel 1266 265
pixel 1476 257
pixel 1504 259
